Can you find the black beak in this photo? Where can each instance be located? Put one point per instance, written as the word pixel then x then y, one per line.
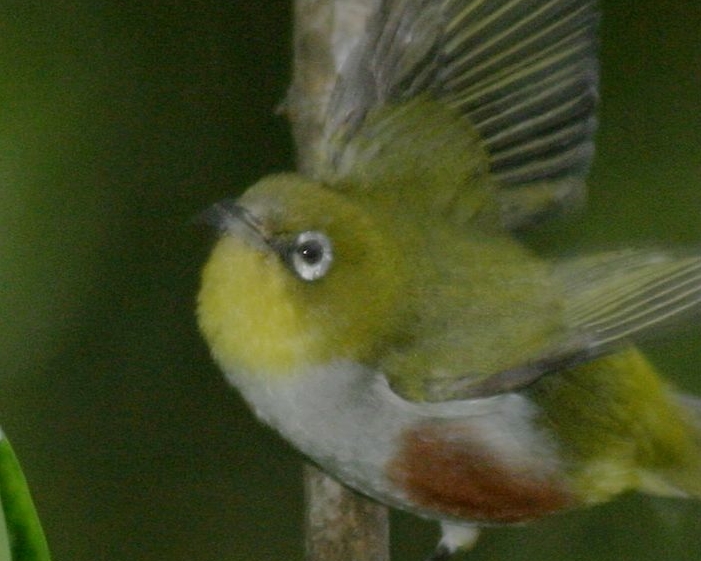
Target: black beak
pixel 228 216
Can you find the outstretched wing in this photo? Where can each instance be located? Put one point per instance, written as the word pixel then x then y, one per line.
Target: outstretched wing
pixel 611 299
pixel 630 294
pixel 523 73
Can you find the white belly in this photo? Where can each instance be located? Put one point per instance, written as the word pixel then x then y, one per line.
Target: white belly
pixel 347 420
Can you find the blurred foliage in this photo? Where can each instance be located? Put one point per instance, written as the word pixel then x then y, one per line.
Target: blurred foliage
pixel 119 122
pixel 21 534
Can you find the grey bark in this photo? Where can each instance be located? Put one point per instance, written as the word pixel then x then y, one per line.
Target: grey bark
pixel 341 525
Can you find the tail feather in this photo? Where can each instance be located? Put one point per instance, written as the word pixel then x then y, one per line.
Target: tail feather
pixel 684 478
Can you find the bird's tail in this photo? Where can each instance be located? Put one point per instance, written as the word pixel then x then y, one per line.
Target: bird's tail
pixel 684 479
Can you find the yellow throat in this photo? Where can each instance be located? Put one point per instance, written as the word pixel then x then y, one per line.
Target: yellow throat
pixel 259 317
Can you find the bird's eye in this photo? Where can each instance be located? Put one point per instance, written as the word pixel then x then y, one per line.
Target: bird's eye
pixel 311 255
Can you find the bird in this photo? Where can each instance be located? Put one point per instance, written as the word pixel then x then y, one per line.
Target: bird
pixel 382 313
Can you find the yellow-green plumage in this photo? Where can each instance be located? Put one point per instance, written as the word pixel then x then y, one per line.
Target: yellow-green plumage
pixel 381 308
pixel 293 323
pixel 622 428
pixel 432 295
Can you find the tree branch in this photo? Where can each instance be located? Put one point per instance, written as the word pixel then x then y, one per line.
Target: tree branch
pixel 340 524
pixel 325 31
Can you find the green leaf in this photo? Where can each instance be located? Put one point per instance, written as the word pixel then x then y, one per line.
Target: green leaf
pixel 21 535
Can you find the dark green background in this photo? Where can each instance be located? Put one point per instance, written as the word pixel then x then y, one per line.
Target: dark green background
pixel 119 121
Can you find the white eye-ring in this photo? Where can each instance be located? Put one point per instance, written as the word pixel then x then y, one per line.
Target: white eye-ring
pixel 311 255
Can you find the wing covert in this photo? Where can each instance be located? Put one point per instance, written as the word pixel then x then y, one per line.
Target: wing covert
pixel 612 299
pixel 523 73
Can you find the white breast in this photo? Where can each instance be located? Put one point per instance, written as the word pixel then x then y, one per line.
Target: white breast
pixel 347 420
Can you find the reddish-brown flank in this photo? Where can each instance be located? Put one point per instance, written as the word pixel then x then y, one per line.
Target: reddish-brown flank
pixel 444 469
